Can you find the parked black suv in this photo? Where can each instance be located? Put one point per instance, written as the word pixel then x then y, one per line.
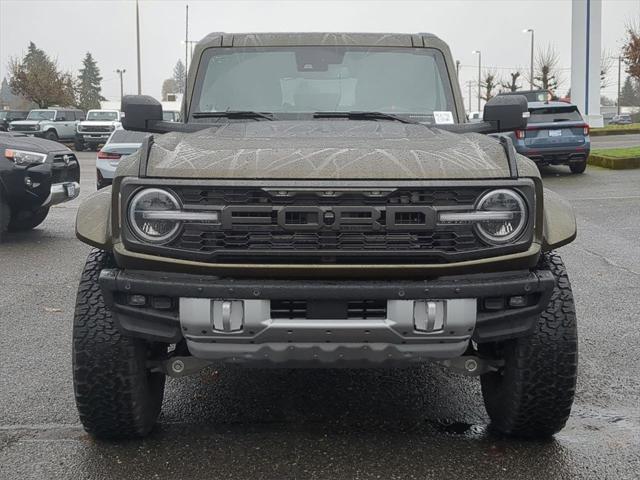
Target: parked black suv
pixel 8 116
pixel 34 175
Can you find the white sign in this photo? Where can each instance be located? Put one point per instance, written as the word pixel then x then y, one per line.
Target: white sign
pixel 443 117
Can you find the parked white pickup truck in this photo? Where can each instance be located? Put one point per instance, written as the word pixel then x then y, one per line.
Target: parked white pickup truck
pixel 97 128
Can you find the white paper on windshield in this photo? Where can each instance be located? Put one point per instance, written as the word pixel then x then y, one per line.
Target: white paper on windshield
pixel 443 117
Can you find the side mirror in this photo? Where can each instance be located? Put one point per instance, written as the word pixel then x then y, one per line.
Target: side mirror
pixel 140 112
pixel 507 112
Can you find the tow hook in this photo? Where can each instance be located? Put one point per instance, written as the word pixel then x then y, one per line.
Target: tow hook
pixel 472 366
pixel 179 366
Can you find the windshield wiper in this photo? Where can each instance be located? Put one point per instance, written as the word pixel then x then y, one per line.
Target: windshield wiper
pixel 354 115
pixel 234 114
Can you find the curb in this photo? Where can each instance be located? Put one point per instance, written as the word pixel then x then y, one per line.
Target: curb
pixel 613 163
pixel 605 132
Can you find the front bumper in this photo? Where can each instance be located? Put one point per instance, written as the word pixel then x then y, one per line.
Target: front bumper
pixel 241 321
pixel 62 192
pixel 93 137
pixel 30 133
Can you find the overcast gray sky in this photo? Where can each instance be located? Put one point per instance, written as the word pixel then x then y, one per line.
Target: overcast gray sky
pixel 66 29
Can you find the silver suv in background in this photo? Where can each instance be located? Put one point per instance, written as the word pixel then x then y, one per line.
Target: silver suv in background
pixel 53 124
pixel 97 128
pixel 622 119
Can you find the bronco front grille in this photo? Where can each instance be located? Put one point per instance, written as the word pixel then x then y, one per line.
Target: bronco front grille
pixel 94 129
pixel 326 226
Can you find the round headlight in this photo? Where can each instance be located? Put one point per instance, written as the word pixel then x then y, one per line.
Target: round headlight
pixel 150 215
pixel 510 216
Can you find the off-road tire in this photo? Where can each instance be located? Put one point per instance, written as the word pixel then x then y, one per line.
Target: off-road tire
pixel 51 135
pixel 578 167
pixel 78 146
pixel 116 395
pixel 5 217
pixel 531 396
pixel 21 221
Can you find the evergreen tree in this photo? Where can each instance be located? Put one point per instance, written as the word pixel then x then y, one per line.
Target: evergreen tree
pixel 628 94
pixel 180 76
pixel 169 86
pixel 89 88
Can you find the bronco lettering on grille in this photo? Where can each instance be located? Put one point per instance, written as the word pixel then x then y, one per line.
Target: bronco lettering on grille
pixel 342 218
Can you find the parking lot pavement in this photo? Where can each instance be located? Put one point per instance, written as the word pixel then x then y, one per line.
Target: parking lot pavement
pixel 616 141
pixel 336 424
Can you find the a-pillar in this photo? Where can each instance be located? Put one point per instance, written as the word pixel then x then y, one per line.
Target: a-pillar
pixel 586 26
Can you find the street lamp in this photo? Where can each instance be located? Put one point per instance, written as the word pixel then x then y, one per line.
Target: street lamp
pixel 479 53
pixel 138 48
pixel 530 30
pixel 121 72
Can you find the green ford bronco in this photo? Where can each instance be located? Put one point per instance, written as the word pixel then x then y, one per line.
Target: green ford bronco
pixel 325 203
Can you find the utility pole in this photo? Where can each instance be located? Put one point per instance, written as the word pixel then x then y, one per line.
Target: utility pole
pixel 186 50
pixel 469 84
pixel 479 53
pixel 138 47
pixel 121 72
pixel 619 77
pixel 530 30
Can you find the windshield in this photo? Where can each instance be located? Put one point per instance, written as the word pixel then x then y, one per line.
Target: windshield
pixel 101 115
pixel 41 115
pixel 410 81
pixel 3 115
pixel 555 114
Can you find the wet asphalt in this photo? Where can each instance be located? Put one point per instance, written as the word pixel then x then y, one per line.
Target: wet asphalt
pixel 420 423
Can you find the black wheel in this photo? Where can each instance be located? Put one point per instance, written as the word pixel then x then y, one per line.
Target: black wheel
pixel 5 216
pixel 116 395
pixel 51 135
pixel 26 220
pixel 78 146
pixel 531 396
pixel 578 167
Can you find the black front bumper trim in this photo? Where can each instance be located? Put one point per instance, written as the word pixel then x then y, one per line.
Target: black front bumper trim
pixel 165 325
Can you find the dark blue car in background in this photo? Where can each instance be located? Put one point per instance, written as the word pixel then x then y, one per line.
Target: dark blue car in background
pixel 556 134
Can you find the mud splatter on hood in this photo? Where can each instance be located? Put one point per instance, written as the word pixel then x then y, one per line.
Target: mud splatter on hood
pixel 326 149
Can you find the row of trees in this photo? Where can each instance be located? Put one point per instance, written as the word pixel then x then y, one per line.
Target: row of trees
pixel 547 75
pixel 37 78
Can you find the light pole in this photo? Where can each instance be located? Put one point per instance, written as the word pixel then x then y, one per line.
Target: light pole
pixel 186 49
pixel 138 47
pixel 530 30
pixel 121 72
pixel 479 53
pixel 619 76
pixel 469 84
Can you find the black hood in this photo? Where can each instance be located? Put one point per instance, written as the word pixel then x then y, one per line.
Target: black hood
pixel 32 144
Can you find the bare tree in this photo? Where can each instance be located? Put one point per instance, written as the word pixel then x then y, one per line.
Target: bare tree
pixel 488 84
pixel 606 64
pixel 546 74
pixel 512 85
pixel 631 49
